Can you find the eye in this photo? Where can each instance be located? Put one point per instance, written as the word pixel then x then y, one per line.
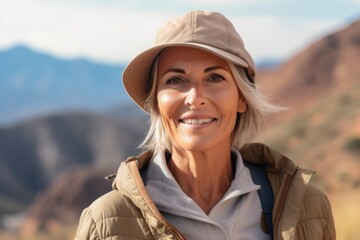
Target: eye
pixel 214 77
pixel 174 81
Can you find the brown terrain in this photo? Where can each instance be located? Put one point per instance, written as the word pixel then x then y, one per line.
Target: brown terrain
pixel 321 88
pixel 321 130
pixel 328 65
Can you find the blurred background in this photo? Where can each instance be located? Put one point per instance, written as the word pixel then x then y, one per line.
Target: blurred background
pixel 66 121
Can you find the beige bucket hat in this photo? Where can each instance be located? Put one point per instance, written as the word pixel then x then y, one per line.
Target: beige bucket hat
pixel 209 31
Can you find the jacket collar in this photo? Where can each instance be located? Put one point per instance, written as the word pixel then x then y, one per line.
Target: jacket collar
pixel 129 182
pixel 274 161
pixel 256 153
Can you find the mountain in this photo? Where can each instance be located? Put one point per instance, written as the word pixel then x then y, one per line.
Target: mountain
pixel 267 64
pixel 321 130
pixel 32 82
pixel 74 190
pixel 320 85
pixel 34 153
pixel 327 64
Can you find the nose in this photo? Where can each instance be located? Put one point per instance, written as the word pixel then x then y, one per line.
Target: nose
pixel 195 96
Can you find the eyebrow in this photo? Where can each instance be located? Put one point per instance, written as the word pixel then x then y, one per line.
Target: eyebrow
pixel 182 71
pixel 175 70
pixel 209 69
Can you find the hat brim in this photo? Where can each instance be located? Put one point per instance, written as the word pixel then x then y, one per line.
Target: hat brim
pixel 137 73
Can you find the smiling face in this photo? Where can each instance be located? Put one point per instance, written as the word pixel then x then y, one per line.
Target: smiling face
pixel 197 98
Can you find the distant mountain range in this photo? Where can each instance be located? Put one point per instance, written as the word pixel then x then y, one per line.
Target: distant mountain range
pixel 33 83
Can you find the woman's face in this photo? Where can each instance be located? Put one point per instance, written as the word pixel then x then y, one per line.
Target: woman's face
pixel 197 98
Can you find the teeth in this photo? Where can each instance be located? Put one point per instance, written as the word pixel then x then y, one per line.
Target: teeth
pixel 197 121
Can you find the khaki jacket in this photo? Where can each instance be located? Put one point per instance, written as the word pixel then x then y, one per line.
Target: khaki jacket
pixel 300 211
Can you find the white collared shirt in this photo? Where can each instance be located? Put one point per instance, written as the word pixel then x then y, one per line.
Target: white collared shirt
pixel 236 216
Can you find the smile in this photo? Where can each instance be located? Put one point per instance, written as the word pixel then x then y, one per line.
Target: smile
pixel 197 121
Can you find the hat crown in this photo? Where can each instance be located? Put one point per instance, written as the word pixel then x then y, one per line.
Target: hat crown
pixel 208 28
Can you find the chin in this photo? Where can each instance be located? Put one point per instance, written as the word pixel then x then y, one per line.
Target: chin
pixel 195 147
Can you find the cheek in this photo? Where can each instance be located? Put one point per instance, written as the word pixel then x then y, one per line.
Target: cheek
pixel 167 104
pixel 164 102
pixel 232 107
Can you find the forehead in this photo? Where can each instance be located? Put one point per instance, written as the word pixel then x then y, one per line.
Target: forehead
pixel 174 56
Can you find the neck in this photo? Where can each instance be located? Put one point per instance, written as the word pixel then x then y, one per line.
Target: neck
pixel 203 176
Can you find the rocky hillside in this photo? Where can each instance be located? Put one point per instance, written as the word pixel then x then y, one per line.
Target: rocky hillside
pixel 321 87
pixel 330 63
pixel 321 129
pixel 63 200
pixel 35 152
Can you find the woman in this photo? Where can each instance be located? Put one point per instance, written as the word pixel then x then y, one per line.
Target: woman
pixel 198 85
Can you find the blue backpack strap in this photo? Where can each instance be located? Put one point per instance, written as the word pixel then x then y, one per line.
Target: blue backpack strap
pixel 259 176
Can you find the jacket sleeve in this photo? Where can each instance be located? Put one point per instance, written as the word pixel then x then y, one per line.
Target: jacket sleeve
pixel 329 229
pixel 87 227
pixel 316 221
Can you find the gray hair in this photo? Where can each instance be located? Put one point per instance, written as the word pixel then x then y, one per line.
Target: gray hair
pixel 247 124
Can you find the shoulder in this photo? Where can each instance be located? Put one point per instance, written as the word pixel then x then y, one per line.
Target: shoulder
pixel 113 204
pixel 109 215
pixel 316 204
pixel 316 219
pixel 274 161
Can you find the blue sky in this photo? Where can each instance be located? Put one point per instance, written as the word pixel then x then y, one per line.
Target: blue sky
pixel 114 31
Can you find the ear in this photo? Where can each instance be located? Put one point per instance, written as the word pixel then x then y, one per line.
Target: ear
pixel 242 106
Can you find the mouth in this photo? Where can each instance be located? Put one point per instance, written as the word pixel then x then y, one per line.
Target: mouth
pixel 197 121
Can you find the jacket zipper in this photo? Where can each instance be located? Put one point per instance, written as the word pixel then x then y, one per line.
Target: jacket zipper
pixel 175 231
pixel 137 178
